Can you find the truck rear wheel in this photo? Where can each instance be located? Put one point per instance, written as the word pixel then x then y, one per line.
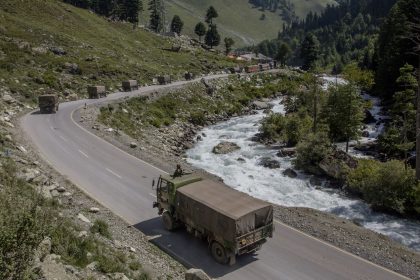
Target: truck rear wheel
pixel 218 252
pixel 168 221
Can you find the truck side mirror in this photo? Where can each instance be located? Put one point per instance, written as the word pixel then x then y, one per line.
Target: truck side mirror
pixel 153 184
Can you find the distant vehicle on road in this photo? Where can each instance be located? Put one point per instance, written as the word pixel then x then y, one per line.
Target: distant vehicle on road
pixel 48 103
pixel 164 80
pixel 96 92
pixel 233 223
pixel 130 85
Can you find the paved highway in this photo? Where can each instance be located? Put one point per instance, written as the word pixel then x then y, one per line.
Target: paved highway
pixel 122 183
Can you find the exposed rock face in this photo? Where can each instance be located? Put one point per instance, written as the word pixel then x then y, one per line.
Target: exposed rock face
pixel 225 147
pixel 338 164
pixel 269 163
pixel 196 274
pixel 290 173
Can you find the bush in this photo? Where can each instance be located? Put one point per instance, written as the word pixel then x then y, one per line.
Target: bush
pixel 387 186
pixel 311 151
pixel 25 219
pixel 101 227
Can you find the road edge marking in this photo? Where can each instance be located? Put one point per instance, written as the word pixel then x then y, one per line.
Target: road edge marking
pixel 341 250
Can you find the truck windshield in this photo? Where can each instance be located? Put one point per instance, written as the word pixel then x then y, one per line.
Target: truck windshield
pixel 164 186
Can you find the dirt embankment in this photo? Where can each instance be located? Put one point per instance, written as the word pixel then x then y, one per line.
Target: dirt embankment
pixel 165 147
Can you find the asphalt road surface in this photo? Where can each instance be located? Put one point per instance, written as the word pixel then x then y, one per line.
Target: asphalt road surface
pixel 122 183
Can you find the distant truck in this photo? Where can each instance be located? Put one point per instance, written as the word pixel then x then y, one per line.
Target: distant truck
pixel 189 76
pixel 48 103
pixel 96 92
pixel 164 80
pixel 233 223
pixel 130 85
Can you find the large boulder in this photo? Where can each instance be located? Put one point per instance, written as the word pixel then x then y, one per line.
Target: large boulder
pixel 338 164
pixel 369 118
pixel 259 105
pixel 269 163
pixel 289 172
pixel 225 147
pixel 196 274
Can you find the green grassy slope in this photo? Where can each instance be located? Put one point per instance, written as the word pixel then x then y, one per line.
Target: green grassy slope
pixel 105 52
pixel 237 18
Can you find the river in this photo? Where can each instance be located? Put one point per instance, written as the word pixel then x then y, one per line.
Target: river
pixel 246 175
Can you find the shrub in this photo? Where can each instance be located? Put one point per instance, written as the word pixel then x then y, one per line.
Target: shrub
pixel 107 263
pixel 101 227
pixel 387 186
pixel 198 118
pixel 24 222
pixel 311 151
pixel 135 265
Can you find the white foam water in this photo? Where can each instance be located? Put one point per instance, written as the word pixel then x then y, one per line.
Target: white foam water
pixel 241 171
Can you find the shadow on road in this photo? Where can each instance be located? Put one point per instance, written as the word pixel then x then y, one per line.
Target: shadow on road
pixel 190 251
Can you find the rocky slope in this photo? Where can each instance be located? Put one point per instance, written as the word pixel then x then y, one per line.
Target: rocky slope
pixel 106 246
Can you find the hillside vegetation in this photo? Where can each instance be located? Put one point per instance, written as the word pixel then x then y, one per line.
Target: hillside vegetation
pixel 50 44
pixel 240 19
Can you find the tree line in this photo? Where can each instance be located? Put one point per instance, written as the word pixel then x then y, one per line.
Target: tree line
pixel 128 10
pixel 124 10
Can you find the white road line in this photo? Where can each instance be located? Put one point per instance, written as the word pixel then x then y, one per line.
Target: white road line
pixel 343 251
pixel 152 195
pixel 113 173
pixel 64 139
pixel 83 154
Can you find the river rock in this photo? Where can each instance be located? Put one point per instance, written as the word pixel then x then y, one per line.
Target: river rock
pixel 290 173
pixel 315 181
pixel 337 164
pixel 369 118
pixel 365 133
pixel 225 147
pixel 287 152
pixel 269 163
pixel 259 105
pixel 196 274
pixel 241 159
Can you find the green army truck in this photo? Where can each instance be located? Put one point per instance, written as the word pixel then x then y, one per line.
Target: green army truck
pixel 233 223
pixel 48 103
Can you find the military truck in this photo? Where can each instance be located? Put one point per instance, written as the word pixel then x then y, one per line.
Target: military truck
pixel 189 76
pixel 130 85
pixel 48 103
pixel 96 92
pixel 233 223
pixel 164 80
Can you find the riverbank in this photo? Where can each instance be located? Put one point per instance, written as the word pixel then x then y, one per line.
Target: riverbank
pixel 164 147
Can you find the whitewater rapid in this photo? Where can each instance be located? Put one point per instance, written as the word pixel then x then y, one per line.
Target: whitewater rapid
pixel 241 171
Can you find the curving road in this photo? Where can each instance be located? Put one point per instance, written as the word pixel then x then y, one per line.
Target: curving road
pixel 122 183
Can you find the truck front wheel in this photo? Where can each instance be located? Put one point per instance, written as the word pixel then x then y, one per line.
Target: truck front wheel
pixel 168 221
pixel 218 252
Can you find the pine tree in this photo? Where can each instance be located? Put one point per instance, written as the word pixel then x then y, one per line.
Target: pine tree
pixel 212 38
pixel 310 52
pixel 344 113
pixel 156 15
pixel 132 8
pixel 200 30
pixel 211 14
pixel 283 53
pixel 177 24
pixel 229 42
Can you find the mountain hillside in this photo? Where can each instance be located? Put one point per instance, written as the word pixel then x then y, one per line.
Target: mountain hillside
pixel 47 44
pixel 240 19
